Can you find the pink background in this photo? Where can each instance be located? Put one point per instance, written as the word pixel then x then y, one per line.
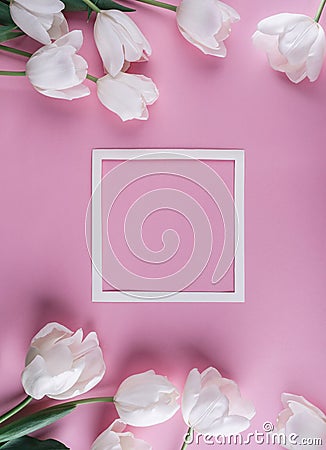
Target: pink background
pixel 274 342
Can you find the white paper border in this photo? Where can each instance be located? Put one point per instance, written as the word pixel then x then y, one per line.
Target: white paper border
pixel 100 155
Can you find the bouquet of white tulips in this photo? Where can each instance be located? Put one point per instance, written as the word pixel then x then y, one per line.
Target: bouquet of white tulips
pixel 61 365
pixel 294 43
pixel 56 70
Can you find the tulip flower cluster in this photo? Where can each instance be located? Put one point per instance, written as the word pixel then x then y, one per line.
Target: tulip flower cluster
pixel 295 44
pixel 56 70
pixel 61 365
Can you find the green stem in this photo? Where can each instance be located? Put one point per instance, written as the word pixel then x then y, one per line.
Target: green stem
pixel 15 409
pixel 91 5
pixel 90 77
pixel 10 73
pixel 159 4
pixel 185 442
pixel 5 48
pixel 320 10
pixel 83 401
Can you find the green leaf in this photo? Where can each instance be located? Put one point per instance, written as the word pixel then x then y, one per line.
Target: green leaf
pixel 5 17
pixel 8 32
pixel 79 5
pixel 34 422
pixel 28 443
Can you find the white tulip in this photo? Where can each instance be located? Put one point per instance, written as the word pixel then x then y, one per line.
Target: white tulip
pixel 40 19
pixel 119 41
pixel 146 399
pixel 114 438
pixel 294 43
pixel 213 405
pixel 61 365
pixel 127 95
pixel 301 423
pixel 206 24
pixel 56 71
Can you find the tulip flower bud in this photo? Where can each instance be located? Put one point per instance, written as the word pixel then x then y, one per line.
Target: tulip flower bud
pixel 42 20
pixel 213 405
pixel 206 24
pixel 127 95
pixel 302 420
pixel 146 399
pixel 56 71
pixel 61 365
pixel 119 41
pixel 294 43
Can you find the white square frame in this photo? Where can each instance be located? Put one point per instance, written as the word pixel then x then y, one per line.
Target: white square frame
pixel 100 155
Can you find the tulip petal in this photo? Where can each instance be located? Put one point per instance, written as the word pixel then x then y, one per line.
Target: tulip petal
pixel 73 38
pixel 131 443
pixel 132 51
pixel 228 12
pixel 113 438
pixel 307 426
pixel 54 69
pixel 58 358
pixel 218 49
pixel 66 94
pixel 132 390
pixel 107 440
pixel 90 353
pixel 226 426
pixel 237 405
pixel 282 418
pixel 291 398
pixel 206 24
pixel 296 43
pixel 213 405
pixel 118 426
pixel 59 363
pixel 53 329
pixel 198 22
pixel 108 44
pixel 224 31
pixel 142 84
pixel 42 6
pixel 303 419
pixel 59 27
pixel 146 399
pixel 120 98
pixel 37 382
pixel 316 56
pixel 210 406
pixel 265 42
pixel 129 25
pixel 210 376
pixel 277 60
pixel 81 67
pixel 190 393
pixel 29 23
pixel 296 74
pixel 269 44
pixel 278 23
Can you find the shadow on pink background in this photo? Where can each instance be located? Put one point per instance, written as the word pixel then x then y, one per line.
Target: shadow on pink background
pixel 274 342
